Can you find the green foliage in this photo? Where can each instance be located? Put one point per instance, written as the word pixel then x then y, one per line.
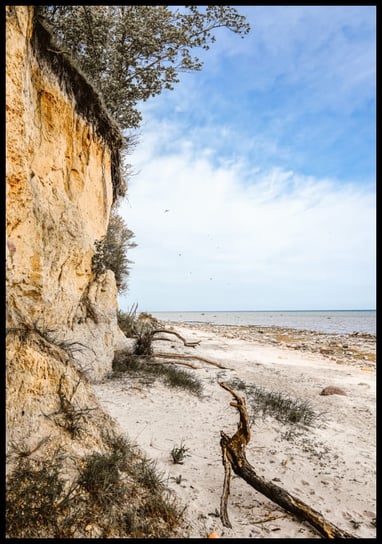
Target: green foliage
pixel 111 251
pixel 116 244
pixel 98 259
pixel 149 476
pixel 131 53
pixel 100 477
pixel 282 407
pixel 69 416
pixel 180 379
pixel 127 321
pixel 277 404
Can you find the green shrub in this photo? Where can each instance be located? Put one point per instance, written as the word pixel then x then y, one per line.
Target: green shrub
pixel 179 453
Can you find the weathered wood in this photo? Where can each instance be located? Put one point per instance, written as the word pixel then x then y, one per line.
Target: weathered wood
pixel 188 356
pixel 226 490
pixel 185 342
pixel 174 362
pixel 233 451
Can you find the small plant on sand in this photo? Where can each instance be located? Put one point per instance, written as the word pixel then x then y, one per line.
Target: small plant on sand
pixel 179 453
pixel 176 377
pixel 282 407
pixel 277 404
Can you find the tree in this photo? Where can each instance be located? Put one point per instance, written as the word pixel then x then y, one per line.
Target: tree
pixel 117 242
pixel 131 53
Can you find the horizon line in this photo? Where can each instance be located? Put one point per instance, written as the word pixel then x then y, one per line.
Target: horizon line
pixel 278 310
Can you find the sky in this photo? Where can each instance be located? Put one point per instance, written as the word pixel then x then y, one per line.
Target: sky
pixel 254 183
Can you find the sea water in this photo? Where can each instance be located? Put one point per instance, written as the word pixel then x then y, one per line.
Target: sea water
pixel 333 321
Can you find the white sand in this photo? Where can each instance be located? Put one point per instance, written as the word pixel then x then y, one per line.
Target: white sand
pixel 331 466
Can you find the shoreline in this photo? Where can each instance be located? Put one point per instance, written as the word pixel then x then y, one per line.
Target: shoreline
pixel 354 348
pixel 329 465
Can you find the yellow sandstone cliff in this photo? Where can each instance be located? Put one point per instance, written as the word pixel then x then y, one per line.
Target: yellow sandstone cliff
pixel 62 177
pixel 71 473
pixel 62 153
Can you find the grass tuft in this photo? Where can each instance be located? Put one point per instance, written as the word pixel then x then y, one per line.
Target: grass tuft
pixel 125 362
pixel 117 493
pixel 277 404
pixel 101 479
pixel 179 453
pixel 34 491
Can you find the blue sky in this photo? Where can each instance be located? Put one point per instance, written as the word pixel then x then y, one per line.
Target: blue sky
pixel 255 178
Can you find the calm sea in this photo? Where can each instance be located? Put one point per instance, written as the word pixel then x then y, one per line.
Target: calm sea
pixel 334 321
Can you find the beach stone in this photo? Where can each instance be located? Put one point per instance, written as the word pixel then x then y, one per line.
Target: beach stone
pixel 332 390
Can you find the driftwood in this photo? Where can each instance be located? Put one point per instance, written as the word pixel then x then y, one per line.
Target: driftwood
pixel 185 356
pixel 174 362
pixel 233 456
pixel 185 342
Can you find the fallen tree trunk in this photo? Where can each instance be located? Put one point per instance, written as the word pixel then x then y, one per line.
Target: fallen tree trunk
pixel 233 455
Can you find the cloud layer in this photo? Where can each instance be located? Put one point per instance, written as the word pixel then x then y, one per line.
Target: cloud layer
pixel 255 185
pixel 220 238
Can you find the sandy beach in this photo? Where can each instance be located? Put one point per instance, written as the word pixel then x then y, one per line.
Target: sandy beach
pixel 329 464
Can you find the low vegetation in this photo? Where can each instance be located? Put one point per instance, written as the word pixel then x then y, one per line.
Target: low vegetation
pixel 108 491
pixel 178 454
pixel 149 371
pixel 116 493
pixel 140 362
pixel 277 404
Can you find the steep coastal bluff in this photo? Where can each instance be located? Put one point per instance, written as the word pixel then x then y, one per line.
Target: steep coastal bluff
pixel 63 174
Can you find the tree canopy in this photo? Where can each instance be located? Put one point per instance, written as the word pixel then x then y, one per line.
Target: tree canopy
pixel 132 53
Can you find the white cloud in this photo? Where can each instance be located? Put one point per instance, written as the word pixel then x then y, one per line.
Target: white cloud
pixel 242 231
pixel 232 239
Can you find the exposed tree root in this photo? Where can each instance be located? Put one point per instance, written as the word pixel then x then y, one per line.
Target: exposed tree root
pixel 185 342
pixel 233 455
pixel 181 356
pixel 174 362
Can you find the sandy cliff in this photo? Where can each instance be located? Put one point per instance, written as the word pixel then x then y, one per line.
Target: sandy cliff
pixel 62 176
pixel 62 153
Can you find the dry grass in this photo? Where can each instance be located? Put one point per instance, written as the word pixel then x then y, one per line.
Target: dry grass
pixel 98 485
pixel 277 404
pixel 126 363
pixel 116 493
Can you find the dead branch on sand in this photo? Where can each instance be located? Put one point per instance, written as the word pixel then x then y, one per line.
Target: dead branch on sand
pixel 173 362
pixel 186 356
pixel 185 342
pixel 233 456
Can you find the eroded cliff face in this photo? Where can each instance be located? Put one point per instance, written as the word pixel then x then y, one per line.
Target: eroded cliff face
pixel 59 195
